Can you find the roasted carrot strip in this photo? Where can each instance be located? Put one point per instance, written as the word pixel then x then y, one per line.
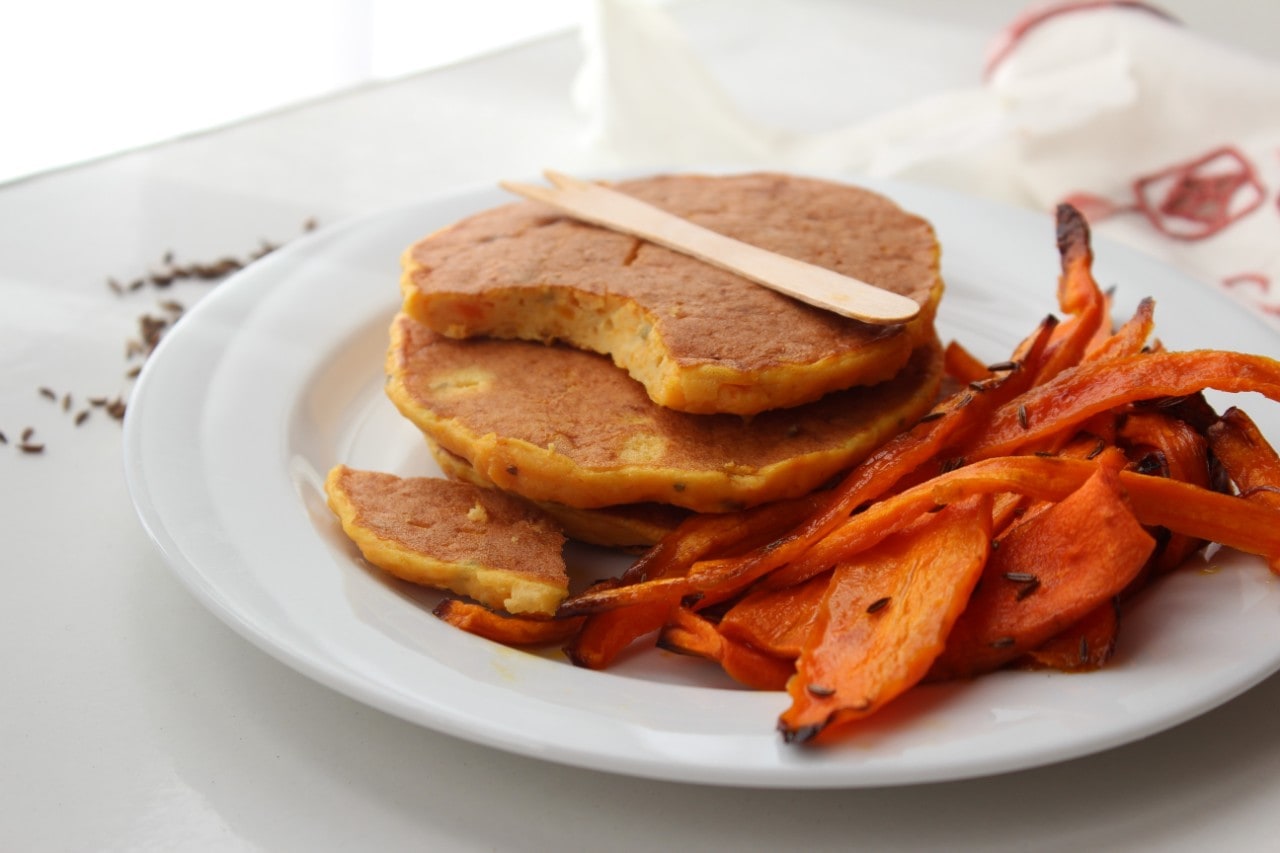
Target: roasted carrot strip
pixel 608 631
pixel 1179 452
pixel 688 633
pixel 509 630
pixel 1250 461
pixel 1129 339
pixel 775 621
pixel 1047 574
pixel 1096 386
pixel 885 618
pixel 1078 295
pixel 1087 645
pixel 962 365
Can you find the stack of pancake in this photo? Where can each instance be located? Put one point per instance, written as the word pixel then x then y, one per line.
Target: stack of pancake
pixel 619 385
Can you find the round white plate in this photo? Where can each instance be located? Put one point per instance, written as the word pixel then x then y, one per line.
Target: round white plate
pixel 277 375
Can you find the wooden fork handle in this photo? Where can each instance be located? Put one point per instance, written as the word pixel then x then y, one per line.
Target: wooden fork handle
pixel 814 285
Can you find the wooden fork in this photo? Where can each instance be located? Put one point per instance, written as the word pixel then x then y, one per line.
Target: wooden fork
pixel 815 285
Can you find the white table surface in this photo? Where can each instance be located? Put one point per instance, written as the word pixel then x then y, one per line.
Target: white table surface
pixel 131 718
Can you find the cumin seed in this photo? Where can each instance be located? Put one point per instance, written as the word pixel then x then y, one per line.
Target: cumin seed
pixel 932 416
pixel 48 394
pixel 27 447
pixel 1002 366
pixel 4 439
pixel 1019 577
pixel 1084 650
pixel 27 433
pixel 1027 589
pixel 820 690
pixel 1022 415
pixel 1097 449
pixel 1003 643
pixel 878 605
pixel 82 417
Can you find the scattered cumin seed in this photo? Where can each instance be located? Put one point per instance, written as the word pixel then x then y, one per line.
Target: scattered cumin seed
pixel 1045 454
pixel 97 401
pixel 4 439
pixel 1022 416
pixel 27 433
pixel 132 373
pixel 82 416
pixel 820 690
pixel 1003 643
pixel 66 402
pixel 27 447
pixel 1083 650
pixel 933 416
pixel 878 605
pixel 949 465
pixel 115 286
pixel 978 385
pixel 1097 448
pixel 964 401
pixel 48 394
pixel 1002 366
pixel 1019 577
pixel 513 470
pixel 1027 589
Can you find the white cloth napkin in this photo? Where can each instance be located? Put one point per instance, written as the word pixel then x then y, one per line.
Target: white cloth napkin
pixel 1166 140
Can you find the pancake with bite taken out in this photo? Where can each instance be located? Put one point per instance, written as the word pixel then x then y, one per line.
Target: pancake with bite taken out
pixel 698 339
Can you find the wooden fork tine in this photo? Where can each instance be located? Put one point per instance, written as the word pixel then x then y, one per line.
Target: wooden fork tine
pixel 533 191
pixel 566 182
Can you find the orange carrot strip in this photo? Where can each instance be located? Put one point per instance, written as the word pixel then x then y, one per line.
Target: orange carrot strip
pixel 885 618
pixel 1250 461
pixel 1078 295
pixel 775 621
pixel 962 365
pixel 509 630
pixel 1085 646
pixel 1096 386
pixel 1047 574
pixel 1130 338
pixel 688 633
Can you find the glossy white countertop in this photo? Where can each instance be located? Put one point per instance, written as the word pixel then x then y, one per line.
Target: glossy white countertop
pixel 134 719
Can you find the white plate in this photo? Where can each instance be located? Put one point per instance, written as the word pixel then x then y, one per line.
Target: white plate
pixel 277 375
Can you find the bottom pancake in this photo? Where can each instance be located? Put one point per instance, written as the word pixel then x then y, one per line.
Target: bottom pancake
pixel 551 423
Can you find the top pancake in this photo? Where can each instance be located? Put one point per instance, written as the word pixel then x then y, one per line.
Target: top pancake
pixel 699 339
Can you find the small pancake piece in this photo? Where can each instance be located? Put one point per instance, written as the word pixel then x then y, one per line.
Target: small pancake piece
pixel 553 423
pixel 698 339
pixel 469 540
pixel 626 526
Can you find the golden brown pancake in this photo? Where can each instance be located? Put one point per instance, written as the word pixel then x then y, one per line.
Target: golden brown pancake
pixel 473 541
pixel 553 423
pixel 628 526
pixel 699 339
